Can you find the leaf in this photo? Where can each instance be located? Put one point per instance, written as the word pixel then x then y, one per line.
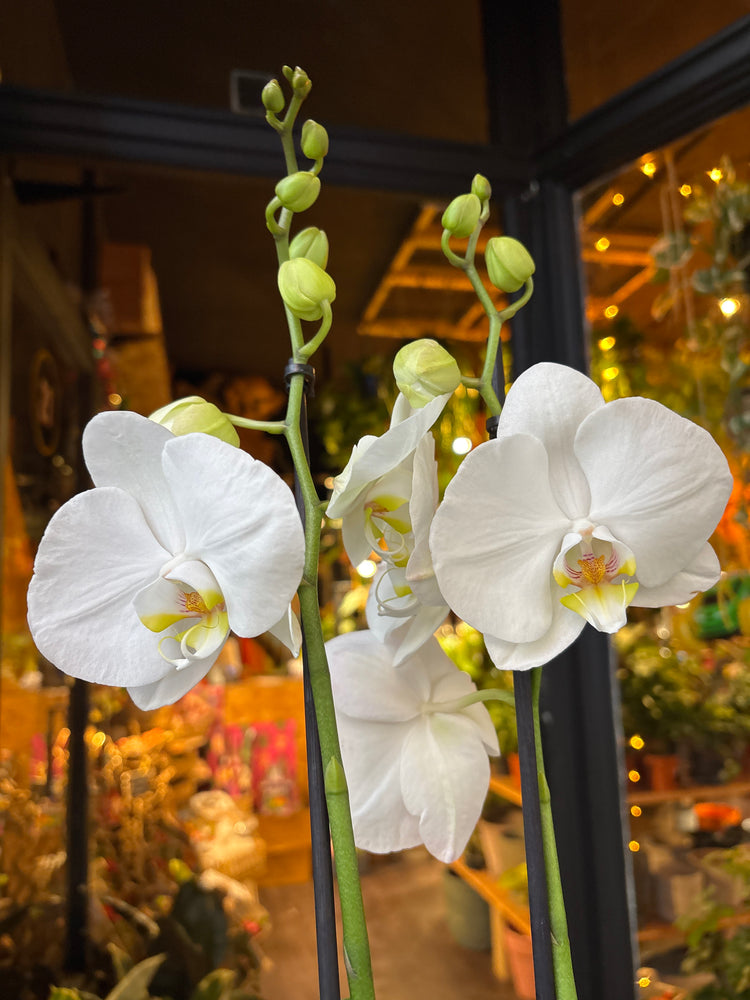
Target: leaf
pixel 122 963
pixel 135 984
pixel 217 985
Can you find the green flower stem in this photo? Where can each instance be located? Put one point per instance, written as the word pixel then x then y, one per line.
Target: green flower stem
pixel 269 426
pixel 308 349
pixel 354 928
pixel 561 958
pixel 487 694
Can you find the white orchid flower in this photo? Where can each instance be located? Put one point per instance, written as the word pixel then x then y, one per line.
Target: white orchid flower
pixel 371 495
pixel 577 510
pixel 415 758
pixel 405 606
pixel 138 581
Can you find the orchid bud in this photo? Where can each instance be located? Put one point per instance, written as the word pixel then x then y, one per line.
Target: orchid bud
pixel 462 215
pixel 299 191
pixel 273 97
pixel 481 187
pixel 304 287
pixel 314 140
pixel 193 414
pixel 311 243
pixel 299 80
pixel 509 263
pixel 424 370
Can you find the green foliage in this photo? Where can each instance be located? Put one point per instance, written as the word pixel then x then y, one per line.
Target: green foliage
pixel 722 951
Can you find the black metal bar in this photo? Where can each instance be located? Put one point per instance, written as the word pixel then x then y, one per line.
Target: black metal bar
pixel 541 934
pixel 693 90
pixel 77 829
pixel 48 122
pixel 322 866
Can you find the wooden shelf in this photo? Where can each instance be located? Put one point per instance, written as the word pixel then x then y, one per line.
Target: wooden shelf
pixel 708 792
pixel 514 912
pixel 502 785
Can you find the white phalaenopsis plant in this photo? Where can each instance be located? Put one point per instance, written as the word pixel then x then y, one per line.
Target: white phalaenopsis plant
pixel 577 510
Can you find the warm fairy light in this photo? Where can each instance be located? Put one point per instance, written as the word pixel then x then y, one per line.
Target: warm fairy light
pixel 634 846
pixel 634 775
pixel 635 811
pixel 644 981
pixel 611 311
pixel 610 373
pixel 686 190
pixel 97 740
pixel 618 198
pixel 715 173
pixel 328 482
pixel 461 446
pixel 637 742
pixel 114 399
pixel 606 344
pixel 648 167
pixel 602 244
pixel 729 307
pixel 367 569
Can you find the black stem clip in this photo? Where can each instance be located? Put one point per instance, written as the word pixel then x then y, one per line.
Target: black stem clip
pixel 296 368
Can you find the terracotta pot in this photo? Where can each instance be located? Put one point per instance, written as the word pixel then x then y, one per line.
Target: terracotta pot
pixel 520 963
pixel 662 770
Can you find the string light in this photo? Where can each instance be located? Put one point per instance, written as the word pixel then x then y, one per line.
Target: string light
pixel 609 374
pixel 648 167
pixel 686 190
pixel 637 742
pixel 602 244
pixel 715 174
pixel 618 198
pixel 367 569
pixel 634 846
pixel 634 775
pixel 611 311
pixel 635 811
pixel 729 307
pixel 461 446
pixel 644 982
pixel 114 399
pixel 606 344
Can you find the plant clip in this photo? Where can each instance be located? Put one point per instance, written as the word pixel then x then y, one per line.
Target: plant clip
pixel 491 426
pixel 295 368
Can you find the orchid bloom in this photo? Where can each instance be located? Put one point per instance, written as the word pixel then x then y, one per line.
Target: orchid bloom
pixel 577 510
pixel 138 581
pixel 386 497
pixel 414 755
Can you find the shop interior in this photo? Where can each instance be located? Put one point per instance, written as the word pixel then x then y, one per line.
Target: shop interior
pixel 125 285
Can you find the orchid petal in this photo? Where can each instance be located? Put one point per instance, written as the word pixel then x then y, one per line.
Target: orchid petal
pixel 172 686
pixel 420 573
pixel 411 624
pixel 494 539
pixel 288 631
pixel 549 402
pixel 123 449
pixel 445 772
pixel 457 684
pixel 658 481
pixel 240 518
pixel 97 553
pixel 371 754
pixel 566 626
pixel 382 455
pixel 702 573
pixel 365 685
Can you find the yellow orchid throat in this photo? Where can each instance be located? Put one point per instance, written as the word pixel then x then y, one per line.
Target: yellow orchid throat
pixel 594 572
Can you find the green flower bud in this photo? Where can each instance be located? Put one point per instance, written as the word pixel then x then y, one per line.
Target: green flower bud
pixel 299 80
pixel 193 414
pixel 462 215
pixel 299 191
pixel 481 187
pixel 509 263
pixel 311 243
pixel 424 370
pixel 304 286
pixel 314 140
pixel 273 97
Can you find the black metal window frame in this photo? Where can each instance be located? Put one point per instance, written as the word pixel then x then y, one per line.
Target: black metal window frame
pixel 537 162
